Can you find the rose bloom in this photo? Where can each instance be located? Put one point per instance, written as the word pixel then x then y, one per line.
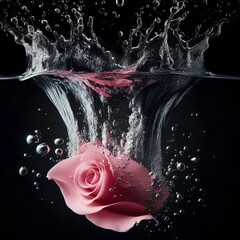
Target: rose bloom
pixel 112 192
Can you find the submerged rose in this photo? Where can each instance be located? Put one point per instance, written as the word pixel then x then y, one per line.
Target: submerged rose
pixel 113 192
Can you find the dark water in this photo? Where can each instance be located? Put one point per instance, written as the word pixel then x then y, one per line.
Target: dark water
pixel 217 114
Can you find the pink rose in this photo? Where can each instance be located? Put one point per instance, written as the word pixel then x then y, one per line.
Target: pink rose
pixel 113 192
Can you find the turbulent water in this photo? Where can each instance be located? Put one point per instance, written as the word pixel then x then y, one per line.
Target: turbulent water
pixel 124 96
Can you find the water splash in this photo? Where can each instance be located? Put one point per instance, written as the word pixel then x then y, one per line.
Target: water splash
pixel 145 49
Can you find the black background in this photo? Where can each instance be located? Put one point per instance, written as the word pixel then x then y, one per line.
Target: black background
pixel 25 216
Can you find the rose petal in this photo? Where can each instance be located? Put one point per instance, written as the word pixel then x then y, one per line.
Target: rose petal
pixel 100 193
pixel 62 173
pixel 118 216
pixel 133 177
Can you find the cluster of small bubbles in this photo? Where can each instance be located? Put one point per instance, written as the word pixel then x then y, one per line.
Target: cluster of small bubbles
pixel 42 149
pixel 23 171
pixel 32 139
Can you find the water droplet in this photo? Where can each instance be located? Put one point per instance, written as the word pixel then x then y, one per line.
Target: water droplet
pixel 23 171
pixel 180 167
pixel 58 151
pixel 32 139
pixel 120 3
pixel 42 149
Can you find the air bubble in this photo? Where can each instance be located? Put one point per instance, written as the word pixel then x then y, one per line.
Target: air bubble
pixel 102 10
pixel 32 139
pixel 120 3
pixel 42 149
pixel 156 3
pixel 179 196
pixel 188 177
pixel 157 20
pixel 120 33
pixel 36 184
pixel 27 155
pixel 57 10
pixel 195 159
pixel 59 151
pixel 23 171
pixel 38 175
pixel 58 141
pixel 185 148
pixel 14 20
pixel 197 179
pixel 38 132
pixel 174 128
pixel 180 167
